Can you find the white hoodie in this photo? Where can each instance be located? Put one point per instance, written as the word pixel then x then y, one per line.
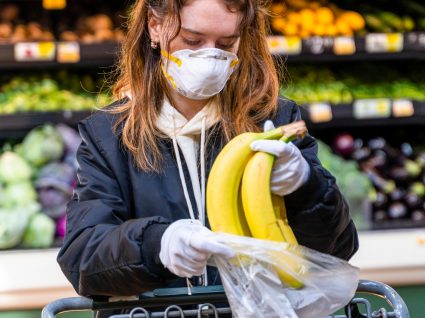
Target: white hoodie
pixel 190 137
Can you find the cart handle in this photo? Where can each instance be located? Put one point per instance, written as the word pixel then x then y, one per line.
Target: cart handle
pixel 66 304
pixel 215 293
pixel 386 292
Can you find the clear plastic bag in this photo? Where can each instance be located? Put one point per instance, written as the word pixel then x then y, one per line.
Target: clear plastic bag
pixel 258 280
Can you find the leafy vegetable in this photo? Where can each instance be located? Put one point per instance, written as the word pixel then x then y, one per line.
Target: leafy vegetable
pixel 40 232
pixel 13 168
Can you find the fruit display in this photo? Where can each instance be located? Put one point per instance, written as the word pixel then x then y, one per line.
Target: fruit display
pixel 234 196
pixel 305 18
pixel 37 178
pixel 314 18
pixel 19 25
pixel 397 174
pixel 342 85
pixel 47 93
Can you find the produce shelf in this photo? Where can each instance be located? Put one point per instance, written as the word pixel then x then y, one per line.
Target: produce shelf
pixel 365 113
pixel 57 54
pixel 373 47
pixel 18 125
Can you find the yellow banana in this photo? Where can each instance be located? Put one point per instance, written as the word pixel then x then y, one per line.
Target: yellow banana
pixel 266 214
pixel 280 212
pixel 224 180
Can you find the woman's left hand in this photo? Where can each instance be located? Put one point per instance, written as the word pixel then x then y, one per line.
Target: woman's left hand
pixel 290 170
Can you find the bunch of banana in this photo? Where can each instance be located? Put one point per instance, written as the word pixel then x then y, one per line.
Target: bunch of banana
pixel 239 200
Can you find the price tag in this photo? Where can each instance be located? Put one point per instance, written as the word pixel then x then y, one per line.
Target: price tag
pixel 344 45
pixel 54 4
pixel 415 41
pixel 319 45
pixel 320 112
pixel 34 51
pixel 372 108
pixel 290 45
pixel 403 108
pixel 68 52
pixel 384 42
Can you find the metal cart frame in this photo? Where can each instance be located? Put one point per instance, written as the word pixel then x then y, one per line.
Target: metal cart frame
pixel 203 298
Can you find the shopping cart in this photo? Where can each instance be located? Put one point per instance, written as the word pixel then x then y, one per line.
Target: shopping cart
pixel 204 301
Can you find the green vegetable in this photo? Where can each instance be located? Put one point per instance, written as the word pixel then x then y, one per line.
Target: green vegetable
pixel 42 145
pixel 354 184
pixel 12 227
pixel 40 232
pixel 13 168
pixel 18 194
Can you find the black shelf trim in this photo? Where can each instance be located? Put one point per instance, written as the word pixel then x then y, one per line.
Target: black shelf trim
pixel 91 55
pixel 315 49
pixel 343 117
pixel 18 125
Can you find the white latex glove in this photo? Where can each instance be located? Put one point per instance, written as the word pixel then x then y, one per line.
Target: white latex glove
pixel 186 246
pixel 290 170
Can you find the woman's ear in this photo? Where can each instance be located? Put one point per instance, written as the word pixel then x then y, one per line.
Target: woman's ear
pixel 154 26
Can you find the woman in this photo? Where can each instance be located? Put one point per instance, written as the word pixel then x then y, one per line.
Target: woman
pixel 193 74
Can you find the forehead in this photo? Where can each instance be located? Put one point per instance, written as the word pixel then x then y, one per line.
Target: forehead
pixel 210 17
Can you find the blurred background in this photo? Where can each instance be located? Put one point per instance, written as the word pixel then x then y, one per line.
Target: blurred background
pixel 357 68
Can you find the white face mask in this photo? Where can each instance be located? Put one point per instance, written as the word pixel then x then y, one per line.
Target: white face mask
pixel 198 74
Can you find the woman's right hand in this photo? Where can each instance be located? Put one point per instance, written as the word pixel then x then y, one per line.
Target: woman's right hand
pixel 186 246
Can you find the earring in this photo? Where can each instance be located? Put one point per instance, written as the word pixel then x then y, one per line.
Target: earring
pixel 154 45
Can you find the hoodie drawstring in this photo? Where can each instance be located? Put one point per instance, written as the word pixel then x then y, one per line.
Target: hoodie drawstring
pixel 184 185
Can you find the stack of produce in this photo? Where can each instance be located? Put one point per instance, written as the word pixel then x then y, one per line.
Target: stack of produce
pixel 43 93
pixel 309 84
pixel 305 18
pixel 314 18
pixel 239 200
pixel 15 27
pixel 390 16
pixel 37 178
pixel 397 174
pixel 353 183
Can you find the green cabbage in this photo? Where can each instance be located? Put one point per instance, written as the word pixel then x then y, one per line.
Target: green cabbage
pixel 42 145
pixel 12 226
pixel 40 232
pixel 18 194
pixel 13 168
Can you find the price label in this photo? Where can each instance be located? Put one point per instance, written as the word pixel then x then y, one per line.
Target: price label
pixel 372 108
pixel 403 108
pixel 415 41
pixel 344 45
pixel 68 52
pixel 319 45
pixel 34 51
pixel 290 45
pixel 320 112
pixel 54 4
pixel 384 42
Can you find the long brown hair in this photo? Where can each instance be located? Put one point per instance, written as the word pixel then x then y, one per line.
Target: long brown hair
pixel 250 96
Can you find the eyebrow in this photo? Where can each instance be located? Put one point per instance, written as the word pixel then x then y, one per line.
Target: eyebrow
pixel 200 33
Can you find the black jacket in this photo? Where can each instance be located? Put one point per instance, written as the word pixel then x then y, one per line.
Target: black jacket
pixel 118 213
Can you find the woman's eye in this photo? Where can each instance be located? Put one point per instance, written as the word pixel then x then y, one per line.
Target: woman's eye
pixel 191 42
pixel 226 46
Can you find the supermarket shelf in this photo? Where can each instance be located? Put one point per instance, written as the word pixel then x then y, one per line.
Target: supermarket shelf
pixel 325 116
pixel 90 55
pixel 373 47
pixel 17 125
